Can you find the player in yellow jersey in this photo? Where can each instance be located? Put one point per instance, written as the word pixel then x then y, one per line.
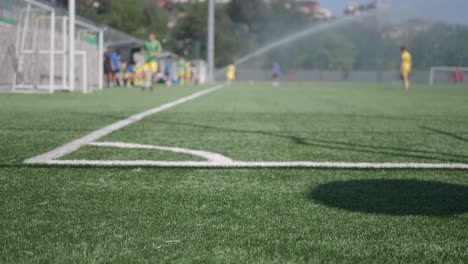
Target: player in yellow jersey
pixel 188 73
pixel 181 70
pixel 152 49
pixel 231 73
pixel 405 68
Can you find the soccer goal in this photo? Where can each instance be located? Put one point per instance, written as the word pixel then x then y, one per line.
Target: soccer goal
pixel 36 55
pixel 18 39
pixel 448 75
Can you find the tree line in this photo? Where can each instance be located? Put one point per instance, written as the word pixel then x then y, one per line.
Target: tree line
pixel 243 26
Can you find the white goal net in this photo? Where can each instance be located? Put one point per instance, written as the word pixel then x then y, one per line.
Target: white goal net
pixel 34 49
pixel 448 75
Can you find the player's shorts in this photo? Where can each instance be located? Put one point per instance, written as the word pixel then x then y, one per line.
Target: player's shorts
pixel 107 68
pixel 231 77
pixel 151 66
pixel 405 71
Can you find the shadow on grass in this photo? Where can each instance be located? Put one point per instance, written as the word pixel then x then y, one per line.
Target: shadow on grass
pixel 444 133
pixel 393 197
pixel 384 150
pixel 340 145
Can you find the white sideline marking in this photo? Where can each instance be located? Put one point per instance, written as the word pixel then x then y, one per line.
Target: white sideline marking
pixel 93 136
pixel 210 156
pixel 246 164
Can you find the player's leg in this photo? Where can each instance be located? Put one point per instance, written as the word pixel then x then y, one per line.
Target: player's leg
pixel 118 78
pixel 181 78
pixel 140 75
pixel 231 78
pixel 149 73
pixel 132 79
pixel 146 75
pixel 154 71
pixel 275 81
pixel 405 77
pixel 187 78
pixel 107 72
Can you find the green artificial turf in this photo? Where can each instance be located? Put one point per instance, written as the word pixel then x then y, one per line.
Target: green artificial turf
pixel 316 123
pixel 66 214
pixel 110 153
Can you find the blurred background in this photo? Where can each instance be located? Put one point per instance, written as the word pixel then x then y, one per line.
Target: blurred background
pixel 353 41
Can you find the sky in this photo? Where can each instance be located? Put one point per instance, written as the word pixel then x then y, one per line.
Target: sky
pixel 452 11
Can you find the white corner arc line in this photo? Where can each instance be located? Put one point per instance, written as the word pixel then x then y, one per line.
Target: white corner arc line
pixel 95 135
pixel 210 156
pixel 214 160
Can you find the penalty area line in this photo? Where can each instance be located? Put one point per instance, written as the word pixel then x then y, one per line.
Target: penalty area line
pixel 74 145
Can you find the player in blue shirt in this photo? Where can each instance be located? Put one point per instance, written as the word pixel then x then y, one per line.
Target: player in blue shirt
pixel 276 74
pixel 115 60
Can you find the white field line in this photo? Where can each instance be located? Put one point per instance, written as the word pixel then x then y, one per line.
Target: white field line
pixel 93 136
pixel 214 160
pixel 210 156
pixel 246 164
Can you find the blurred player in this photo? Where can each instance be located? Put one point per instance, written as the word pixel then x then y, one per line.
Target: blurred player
pixel 231 73
pixel 168 71
pixel 115 60
pixel 152 48
pixel 129 75
pixel 181 70
pixel 459 76
pixel 276 74
pixel 405 67
pixel 108 71
pixel 188 73
pixel 139 75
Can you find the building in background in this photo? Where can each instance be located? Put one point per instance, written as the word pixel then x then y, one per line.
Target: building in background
pixel 313 9
pixel 163 3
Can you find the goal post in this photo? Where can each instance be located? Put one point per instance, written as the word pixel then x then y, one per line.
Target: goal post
pixel 30 45
pixel 447 75
pixel 89 46
pixel 45 48
pixel 42 50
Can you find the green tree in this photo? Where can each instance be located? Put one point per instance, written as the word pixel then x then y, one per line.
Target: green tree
pixel 326 51
pixel 193 27
pixel 266 22
pixel 135 17
pixel 253 14
pixel 440 45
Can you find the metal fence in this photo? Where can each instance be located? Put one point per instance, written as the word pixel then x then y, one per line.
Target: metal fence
pixel 419 77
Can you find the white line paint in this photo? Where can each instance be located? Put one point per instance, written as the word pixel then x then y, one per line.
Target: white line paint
pixel 214 160
pixel 210 156
pixel 93 136
pixel 246 164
